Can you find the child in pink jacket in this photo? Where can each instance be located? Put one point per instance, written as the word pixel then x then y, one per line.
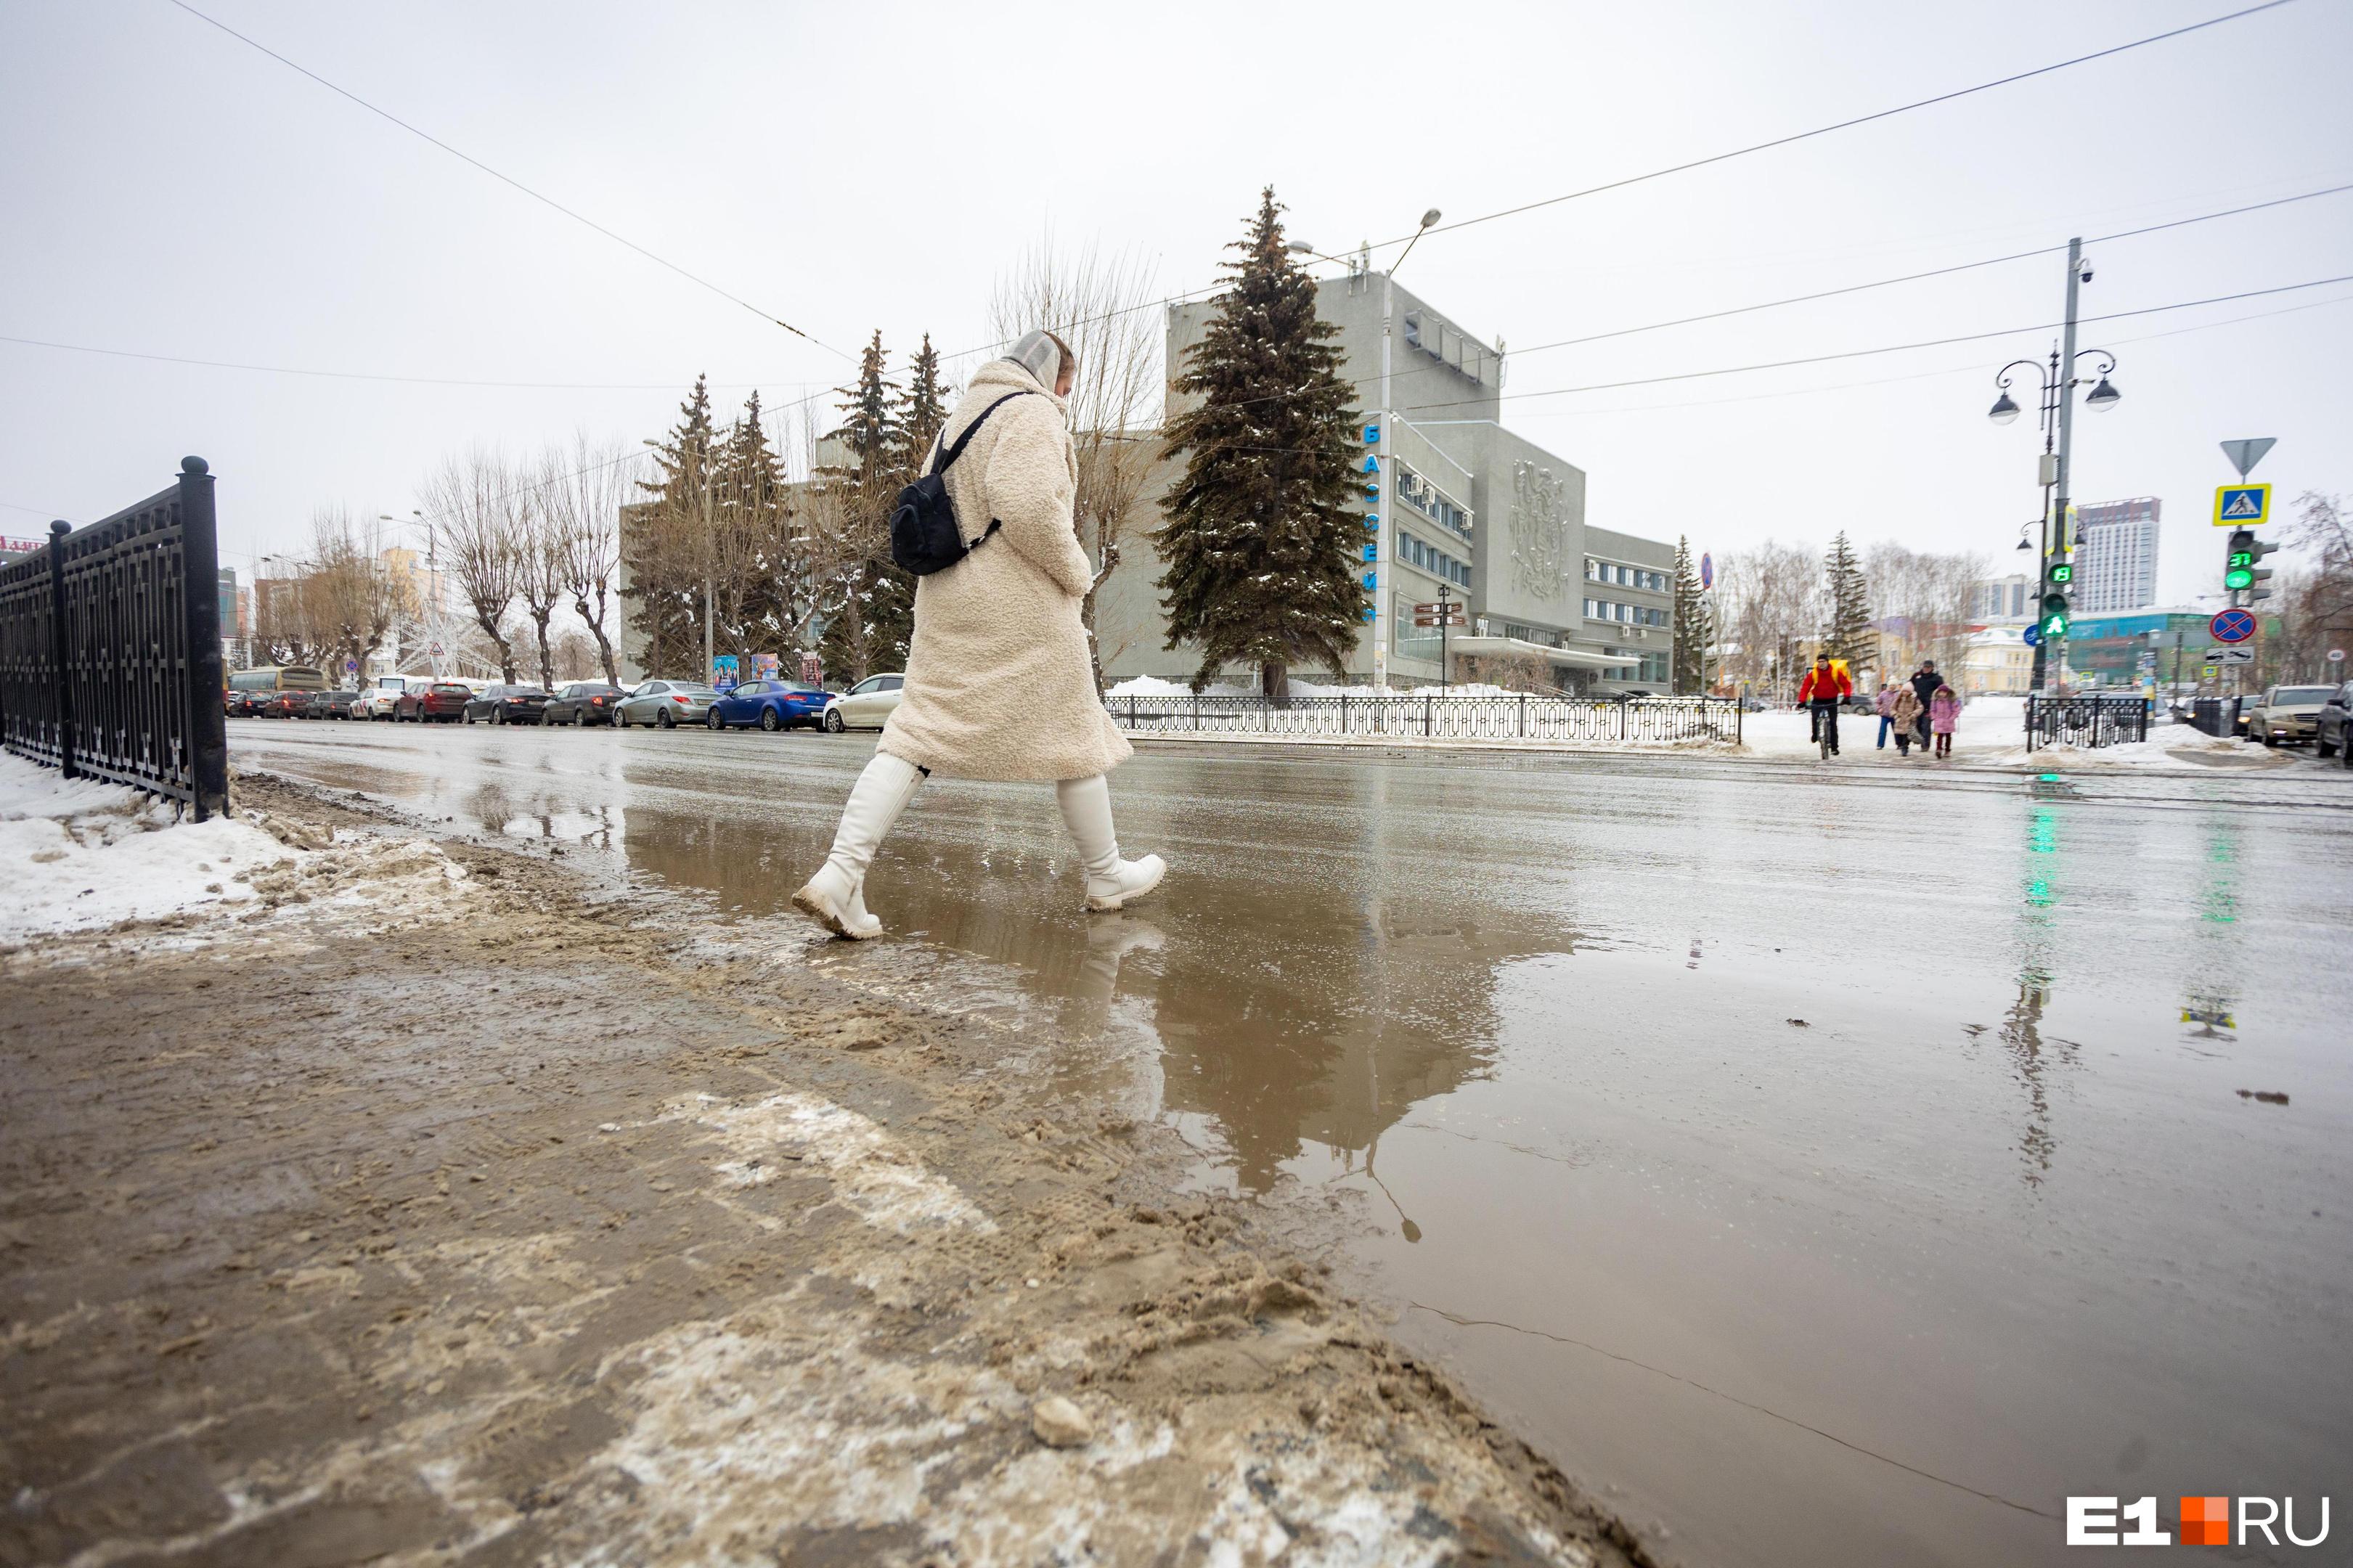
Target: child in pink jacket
pixel 1944 709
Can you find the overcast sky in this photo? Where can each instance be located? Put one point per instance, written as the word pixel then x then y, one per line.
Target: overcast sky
pixel 169 190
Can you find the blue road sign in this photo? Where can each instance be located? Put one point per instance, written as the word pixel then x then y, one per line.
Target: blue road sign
pixel 2232 626
pixel 2033 635
pixel 1706 570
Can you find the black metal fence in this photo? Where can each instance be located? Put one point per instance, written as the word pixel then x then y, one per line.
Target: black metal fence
pixel 111 651
pixel 1515 717
pixel 2084 721
pixel 2215 715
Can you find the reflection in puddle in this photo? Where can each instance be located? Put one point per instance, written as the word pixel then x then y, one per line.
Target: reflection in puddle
pixel 1284 1020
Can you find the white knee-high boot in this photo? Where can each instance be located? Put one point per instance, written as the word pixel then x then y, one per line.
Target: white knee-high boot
pixel 1112 882
pixel 837 894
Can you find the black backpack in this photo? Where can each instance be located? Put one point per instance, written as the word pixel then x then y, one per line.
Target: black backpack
pixel 924 535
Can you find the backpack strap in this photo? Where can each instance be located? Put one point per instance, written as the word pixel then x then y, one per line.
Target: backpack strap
pixel 941 465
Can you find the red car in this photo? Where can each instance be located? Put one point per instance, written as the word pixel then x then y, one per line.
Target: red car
pixel 284 705
pixel 442 702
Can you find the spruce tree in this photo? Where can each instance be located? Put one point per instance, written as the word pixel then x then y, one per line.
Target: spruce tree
pixel 664 550
pixel 1691 625
pixel 873 615
pixel 1261 538
pixel 922 409
pixel 1849 637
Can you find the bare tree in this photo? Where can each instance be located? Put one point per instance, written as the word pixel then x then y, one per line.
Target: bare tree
pixel 1920 601
pixel 2316 597
pixel 1097 304
pixel 353 599
pixel 540 564
pixel 472 498
pixel 589 483
pixel 1773 613
pixel 285 623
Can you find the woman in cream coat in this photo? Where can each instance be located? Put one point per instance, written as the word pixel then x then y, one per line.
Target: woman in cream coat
pixel 998 685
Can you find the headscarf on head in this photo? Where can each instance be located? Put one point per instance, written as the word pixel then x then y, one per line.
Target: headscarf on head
pixel 1038 354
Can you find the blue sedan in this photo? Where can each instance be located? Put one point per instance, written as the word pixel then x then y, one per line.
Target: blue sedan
pixel 770 704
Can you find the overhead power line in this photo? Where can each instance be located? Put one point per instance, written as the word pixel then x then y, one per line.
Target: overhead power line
pixel 1795 137
pixel 1893 348
pixel 509 180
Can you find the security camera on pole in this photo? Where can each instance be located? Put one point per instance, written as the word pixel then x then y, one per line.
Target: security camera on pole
pixel 2058 573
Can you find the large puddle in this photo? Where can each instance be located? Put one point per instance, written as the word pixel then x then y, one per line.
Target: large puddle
pixel 1824 1173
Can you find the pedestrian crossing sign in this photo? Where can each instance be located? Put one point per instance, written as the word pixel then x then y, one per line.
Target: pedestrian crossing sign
pixel 2242 505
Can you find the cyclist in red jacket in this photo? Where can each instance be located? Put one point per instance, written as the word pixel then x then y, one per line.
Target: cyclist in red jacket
pixel 1824 685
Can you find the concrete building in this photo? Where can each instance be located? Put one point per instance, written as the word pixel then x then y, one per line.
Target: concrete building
pixel 1997 600
pixel 1491 518
pixel 2116 555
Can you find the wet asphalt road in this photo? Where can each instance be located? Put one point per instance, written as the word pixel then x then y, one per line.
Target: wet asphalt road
pixel 1826 1168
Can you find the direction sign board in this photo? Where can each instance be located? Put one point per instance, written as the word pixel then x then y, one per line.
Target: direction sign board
pixel 2242 505
pixel 2232 626
pixel 2230 655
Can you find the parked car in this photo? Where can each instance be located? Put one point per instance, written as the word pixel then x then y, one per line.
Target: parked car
pixel 2332 733
pixel 281 704
pixel 243 704
pixel 582 702
pixel 867 704
pixel 770 704
pixel 507 705
pixel 332 704
pixel 665 704
pixel 2288 714
pixel 434 702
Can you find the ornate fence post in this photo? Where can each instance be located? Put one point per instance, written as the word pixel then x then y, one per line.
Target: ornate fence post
pixel 200 562
pixel 61 646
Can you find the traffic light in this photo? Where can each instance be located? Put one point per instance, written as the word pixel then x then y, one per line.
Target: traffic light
pixel 2055 616
pixel 2260 574
pixel 2063 573
pixel 2239 565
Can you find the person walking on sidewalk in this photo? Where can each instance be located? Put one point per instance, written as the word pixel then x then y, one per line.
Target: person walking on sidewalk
pixel 1885 704
pixel 1924 682
pixel 1906 714
pixel 1824 685
pixel 998 682
pixel 1944 711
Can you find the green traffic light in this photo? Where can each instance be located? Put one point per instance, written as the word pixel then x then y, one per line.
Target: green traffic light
pixel 2054 625
pixel 2061 571
pixel 2239 577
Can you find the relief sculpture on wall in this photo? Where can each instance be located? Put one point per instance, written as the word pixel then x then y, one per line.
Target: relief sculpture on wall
pixel 1540 553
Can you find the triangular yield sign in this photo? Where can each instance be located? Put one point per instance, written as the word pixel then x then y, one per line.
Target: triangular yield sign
pixel 2244 455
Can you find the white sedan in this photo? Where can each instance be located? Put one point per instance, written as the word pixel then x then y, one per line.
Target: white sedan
pixel 867 704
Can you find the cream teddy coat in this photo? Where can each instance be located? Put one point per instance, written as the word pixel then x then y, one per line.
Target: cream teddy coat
pixel 1000 685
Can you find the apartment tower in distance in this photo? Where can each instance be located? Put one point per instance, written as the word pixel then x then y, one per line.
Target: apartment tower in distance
pixel 2116 555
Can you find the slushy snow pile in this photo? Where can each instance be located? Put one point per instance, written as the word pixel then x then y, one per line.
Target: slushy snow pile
pixel 75 855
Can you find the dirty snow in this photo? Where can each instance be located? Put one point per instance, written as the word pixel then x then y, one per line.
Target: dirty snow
pixel 871 1171
pixel 77 855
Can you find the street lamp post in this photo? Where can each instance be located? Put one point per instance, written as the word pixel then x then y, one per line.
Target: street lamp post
pixel 2058 414
pixel 1384 587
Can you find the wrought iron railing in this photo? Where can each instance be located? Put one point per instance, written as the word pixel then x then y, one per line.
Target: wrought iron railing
pixel 1515 718
pixel 111 651
pixel 2084 721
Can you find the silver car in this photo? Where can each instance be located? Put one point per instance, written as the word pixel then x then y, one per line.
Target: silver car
pixel 867 704
pixel 665 704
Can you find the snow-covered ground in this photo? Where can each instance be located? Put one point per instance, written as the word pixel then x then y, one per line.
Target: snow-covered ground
pixel 1153 685
pixel 77 855
pixel 1991 733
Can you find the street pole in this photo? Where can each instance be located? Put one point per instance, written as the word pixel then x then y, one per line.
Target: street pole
pixel 2066 443
pixel 1445 615
pixel 1385 502
pixel 709 651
